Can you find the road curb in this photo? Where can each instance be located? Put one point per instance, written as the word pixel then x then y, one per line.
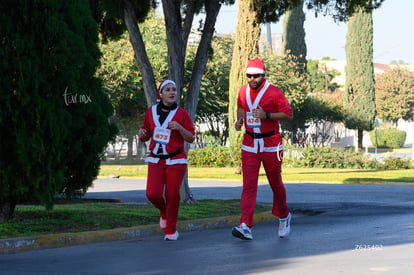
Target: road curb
pixel 71 239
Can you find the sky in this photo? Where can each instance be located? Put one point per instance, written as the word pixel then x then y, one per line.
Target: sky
pixel 393 37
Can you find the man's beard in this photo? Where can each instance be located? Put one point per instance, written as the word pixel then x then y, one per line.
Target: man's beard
pixel 256 86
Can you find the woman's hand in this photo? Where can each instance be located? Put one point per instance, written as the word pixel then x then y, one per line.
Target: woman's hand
pixel 142 133
pixel 174 125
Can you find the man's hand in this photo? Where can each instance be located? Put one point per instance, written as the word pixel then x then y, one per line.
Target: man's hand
pixel 259 112
pixel 239 123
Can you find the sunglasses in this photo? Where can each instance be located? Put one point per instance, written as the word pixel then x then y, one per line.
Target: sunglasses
pixel 253 75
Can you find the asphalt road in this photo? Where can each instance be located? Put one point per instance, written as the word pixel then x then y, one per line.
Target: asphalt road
pixel 337 229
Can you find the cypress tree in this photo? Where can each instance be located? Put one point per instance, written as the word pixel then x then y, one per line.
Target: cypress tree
pixel 293 43
pixel 293 37
pixel 54 116
pixel 359 94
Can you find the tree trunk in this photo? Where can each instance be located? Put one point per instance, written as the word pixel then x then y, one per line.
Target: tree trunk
pixel 245 48
pixel 148 79
pixel 178 32
pixel 360 137
pixel 185 192
pixel 212 9
pixel 130 146
pixel 141 149
pixel 177 38
pixel 7 209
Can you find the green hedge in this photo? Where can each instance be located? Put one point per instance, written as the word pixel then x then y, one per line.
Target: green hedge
pixel 309 157
pixel 327 157
pixel 388 138
pixel 210 156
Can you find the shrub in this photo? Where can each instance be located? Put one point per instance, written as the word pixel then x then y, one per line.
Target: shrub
pixel 388 138
pixel 328 157
pixel 308 157
pixel 291 154
pixel 210 156
pixel 396 163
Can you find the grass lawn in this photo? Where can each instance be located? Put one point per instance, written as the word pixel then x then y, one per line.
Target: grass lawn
pixel 81 215
pixel 324 175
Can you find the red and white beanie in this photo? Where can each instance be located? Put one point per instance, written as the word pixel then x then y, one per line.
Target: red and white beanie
pixel 255 66
pixel 162 85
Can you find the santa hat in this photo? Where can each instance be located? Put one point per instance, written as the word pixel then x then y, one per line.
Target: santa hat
pixel 162 85
pixel 255 66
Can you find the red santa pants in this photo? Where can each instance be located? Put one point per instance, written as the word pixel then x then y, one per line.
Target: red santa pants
pixel 272 164
pixel 161 175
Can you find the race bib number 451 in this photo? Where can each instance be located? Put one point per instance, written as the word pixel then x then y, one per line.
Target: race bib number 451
pixel 251 121
pixel 161 135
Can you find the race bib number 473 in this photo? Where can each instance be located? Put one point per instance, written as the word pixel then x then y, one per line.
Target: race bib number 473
pixel 161 135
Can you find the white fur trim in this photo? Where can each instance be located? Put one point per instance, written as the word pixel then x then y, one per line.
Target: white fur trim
pixel 253 70
pixel 165 83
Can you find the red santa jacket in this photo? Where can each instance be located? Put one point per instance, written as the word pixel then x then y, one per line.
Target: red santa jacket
pixel 272 100
pixel 175 146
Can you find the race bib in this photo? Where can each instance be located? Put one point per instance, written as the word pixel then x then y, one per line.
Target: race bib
pixel 251 121
pixel 161 135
